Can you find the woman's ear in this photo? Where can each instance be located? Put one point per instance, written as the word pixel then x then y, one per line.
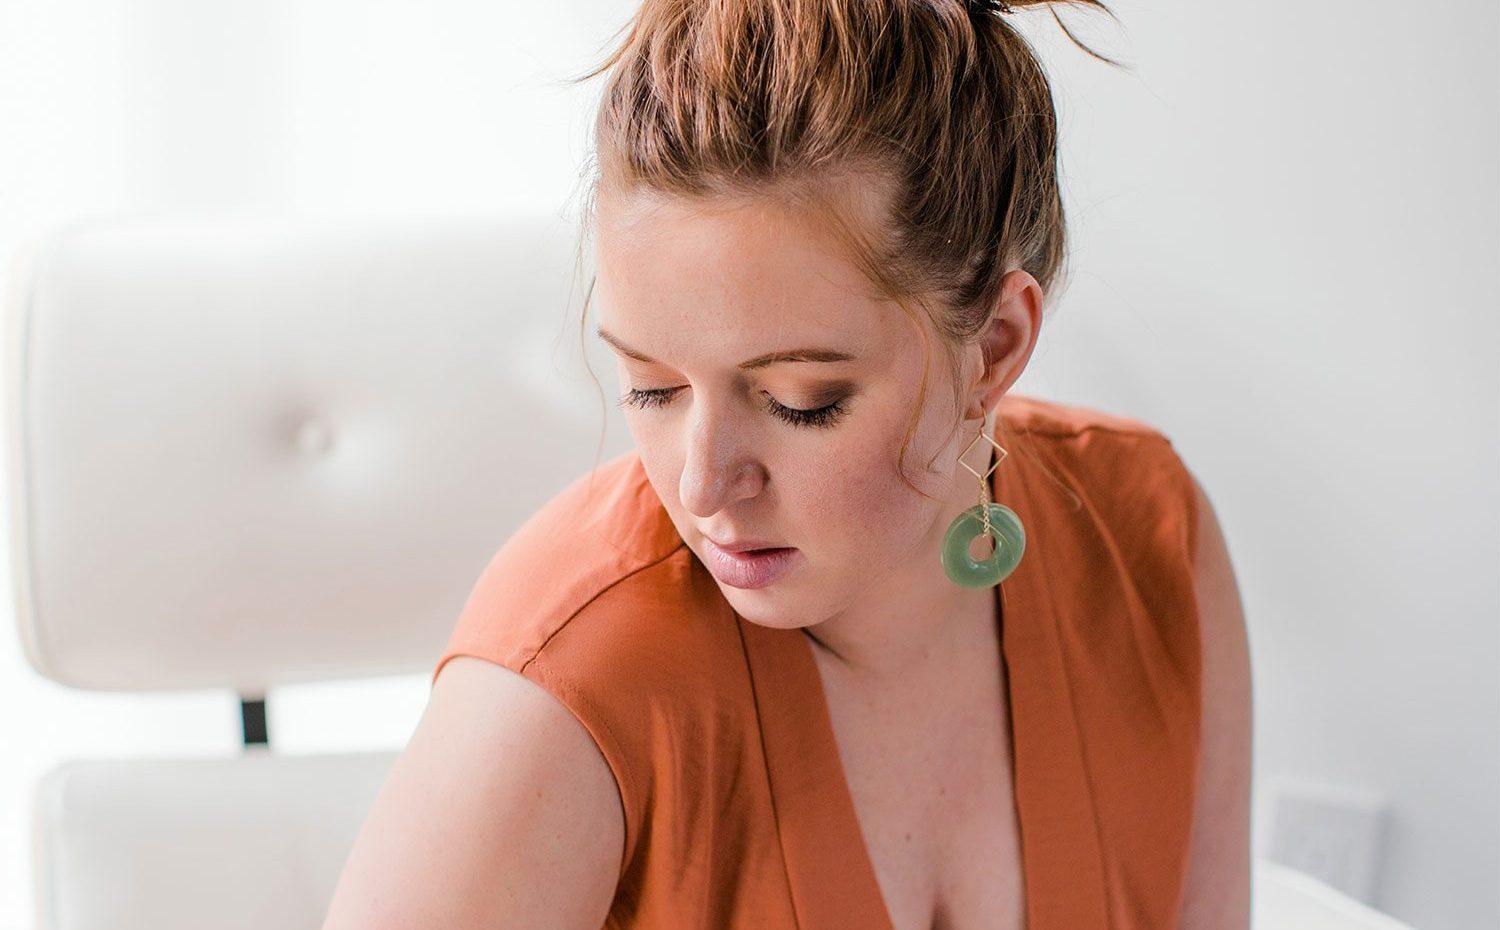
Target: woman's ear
pixel 1007 342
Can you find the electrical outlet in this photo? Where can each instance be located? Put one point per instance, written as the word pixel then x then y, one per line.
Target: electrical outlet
pixel 1332 832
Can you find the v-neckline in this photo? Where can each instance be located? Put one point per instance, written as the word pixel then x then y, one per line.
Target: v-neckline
pixel 829 870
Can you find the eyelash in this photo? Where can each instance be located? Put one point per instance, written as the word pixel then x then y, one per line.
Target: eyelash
pixel 822 417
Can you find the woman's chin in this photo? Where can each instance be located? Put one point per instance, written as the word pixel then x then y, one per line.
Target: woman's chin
pixel 767 608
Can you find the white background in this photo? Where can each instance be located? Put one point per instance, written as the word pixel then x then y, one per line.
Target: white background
pixel 1286 241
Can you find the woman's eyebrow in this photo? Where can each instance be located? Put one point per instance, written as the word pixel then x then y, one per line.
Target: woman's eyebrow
pixel 760 361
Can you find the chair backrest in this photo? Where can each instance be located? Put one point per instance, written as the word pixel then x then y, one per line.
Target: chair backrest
pixel 250 452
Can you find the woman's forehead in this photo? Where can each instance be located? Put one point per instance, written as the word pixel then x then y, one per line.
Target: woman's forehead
pixel 729 237
pixel 753 265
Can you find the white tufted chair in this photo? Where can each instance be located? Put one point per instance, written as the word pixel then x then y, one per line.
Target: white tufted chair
pixel 252 452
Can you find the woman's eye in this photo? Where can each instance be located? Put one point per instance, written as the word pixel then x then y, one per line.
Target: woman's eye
pixel 821 417
pixel 649 398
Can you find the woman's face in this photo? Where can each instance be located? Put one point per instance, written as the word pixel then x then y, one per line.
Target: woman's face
pixel 797 453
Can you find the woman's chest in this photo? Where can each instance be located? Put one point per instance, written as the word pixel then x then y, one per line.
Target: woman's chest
pixel 936 808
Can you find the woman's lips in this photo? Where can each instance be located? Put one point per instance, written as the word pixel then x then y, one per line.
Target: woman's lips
pixel 753 569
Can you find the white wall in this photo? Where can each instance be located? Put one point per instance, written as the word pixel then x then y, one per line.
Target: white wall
pixel 1287 254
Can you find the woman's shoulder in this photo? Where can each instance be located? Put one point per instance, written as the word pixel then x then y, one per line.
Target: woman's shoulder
pixel 597 599
pixel 1115 461
pixel 596 590
pixel 1113 483
pixel 1037 416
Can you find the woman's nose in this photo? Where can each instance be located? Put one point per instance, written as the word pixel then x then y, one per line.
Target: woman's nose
pixel 718 467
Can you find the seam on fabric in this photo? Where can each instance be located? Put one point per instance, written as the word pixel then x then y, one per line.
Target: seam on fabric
pixel 760 732
pixel 595 596
pixel 1147 432
pixel 1189 481
pixel 1190 491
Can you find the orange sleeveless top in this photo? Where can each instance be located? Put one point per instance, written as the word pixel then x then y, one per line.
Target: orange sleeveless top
pixel 737 811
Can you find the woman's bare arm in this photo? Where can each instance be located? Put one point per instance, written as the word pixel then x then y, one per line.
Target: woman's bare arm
pixel 500 812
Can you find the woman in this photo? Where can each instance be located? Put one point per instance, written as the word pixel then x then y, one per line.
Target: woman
pixel 762 671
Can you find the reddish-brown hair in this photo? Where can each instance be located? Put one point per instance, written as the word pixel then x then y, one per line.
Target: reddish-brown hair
pixel 938 107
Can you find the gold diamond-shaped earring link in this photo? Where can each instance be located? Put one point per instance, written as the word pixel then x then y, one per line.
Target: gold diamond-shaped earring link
pixel 984 484
pixel 993 466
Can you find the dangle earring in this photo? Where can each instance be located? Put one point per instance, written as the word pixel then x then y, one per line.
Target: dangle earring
pixel 983 519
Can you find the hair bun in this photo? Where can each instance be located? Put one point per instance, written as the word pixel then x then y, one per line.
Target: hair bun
pixel 985 7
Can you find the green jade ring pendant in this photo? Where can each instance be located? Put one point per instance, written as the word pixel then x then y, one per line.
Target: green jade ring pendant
pixel 1010 544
